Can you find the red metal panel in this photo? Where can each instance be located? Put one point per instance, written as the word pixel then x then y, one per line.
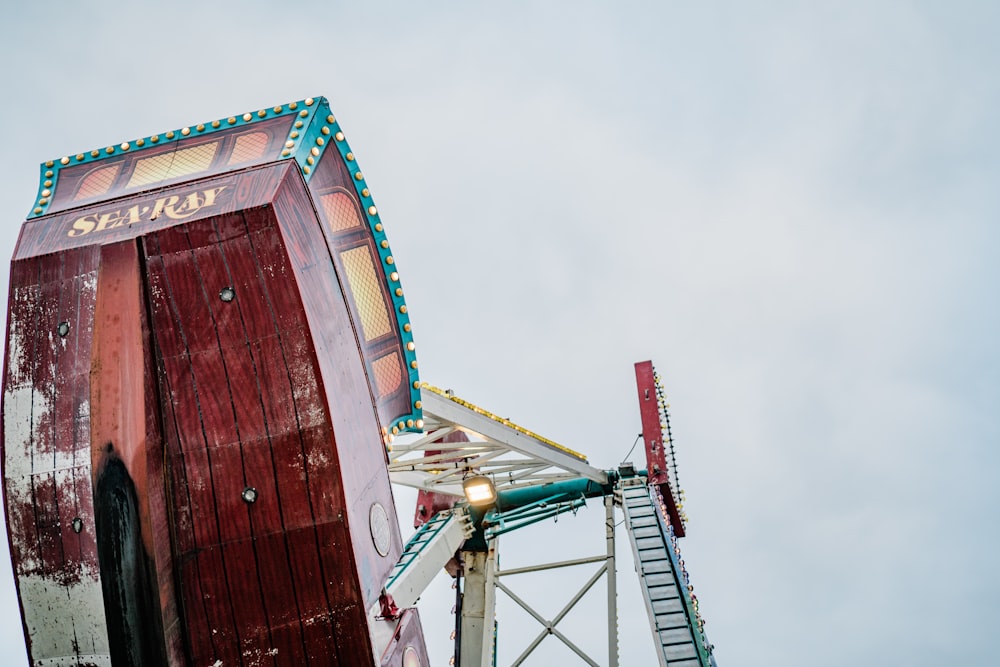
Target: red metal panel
pixel 656 457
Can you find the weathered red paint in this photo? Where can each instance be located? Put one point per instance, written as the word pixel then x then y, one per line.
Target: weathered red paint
pixel 652 437
pixel 201 399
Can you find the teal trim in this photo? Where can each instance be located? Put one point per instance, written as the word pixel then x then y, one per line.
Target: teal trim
pixel 503 524
pixel 513 499
pixel 50 169
pixel 520 507
pixel 425 534
pixel 309 140
pixel 320 130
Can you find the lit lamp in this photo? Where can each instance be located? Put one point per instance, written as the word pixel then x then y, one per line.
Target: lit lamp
pixel 479 490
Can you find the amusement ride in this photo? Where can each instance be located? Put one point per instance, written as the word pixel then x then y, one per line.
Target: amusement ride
pixel 210 384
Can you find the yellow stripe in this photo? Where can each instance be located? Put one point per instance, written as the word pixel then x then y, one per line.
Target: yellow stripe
pixel 501 420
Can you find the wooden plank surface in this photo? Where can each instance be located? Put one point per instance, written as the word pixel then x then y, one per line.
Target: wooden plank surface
pixel 199 399
pixel 236 408
pixel 46 454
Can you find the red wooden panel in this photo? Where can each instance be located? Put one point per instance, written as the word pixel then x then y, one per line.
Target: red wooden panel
pixel 85 510
pixel 210 581
pixel 43 455
pixel 179 500
pixel 288 469
pixel 196 628
pixel 322 473
pixel 211 264
pixel 280 598
pixel 656 458
pixel 356 429
pixel 260 218
pixel 265 515
pixel 202 233
pixel 230 510
pixel 211 379
pixel 19 363
pixel 247 602
pixel 246 391
pixel 67 510
pixel 43 485
pixel 163 321
pixel 252 300
pixel 200 497
pixel 335 541
pixel 214 404
pixel 76 306
pixel 72 371
pixel 300 358
pixel 281 289
pixel 320 634
pixel 187 297
pixel 279 410
pixel 193 458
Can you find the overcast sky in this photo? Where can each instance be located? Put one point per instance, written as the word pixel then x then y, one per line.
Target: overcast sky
pixel 792 210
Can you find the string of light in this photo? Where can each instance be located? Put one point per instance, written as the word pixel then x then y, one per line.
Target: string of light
pixel 668 439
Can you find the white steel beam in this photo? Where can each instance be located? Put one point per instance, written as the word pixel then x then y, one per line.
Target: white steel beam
pixel 478 607
pixel 510 455
pixel 421 562
pixel 514 440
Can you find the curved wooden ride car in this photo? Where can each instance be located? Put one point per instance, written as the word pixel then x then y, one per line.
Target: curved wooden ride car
pixel 207 353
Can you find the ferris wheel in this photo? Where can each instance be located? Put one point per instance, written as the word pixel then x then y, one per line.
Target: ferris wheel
pixel 211 383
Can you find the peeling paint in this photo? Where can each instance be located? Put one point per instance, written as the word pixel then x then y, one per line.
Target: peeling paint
pixel 75 661
pixel 49 603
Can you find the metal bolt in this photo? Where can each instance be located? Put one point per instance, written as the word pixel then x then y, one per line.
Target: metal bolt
pixel 63 329
pixel 249 495
pixel 77 524
pixel 227 294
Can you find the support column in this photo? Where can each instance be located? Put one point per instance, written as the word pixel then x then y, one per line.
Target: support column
pixel 609 522
pixel 478 607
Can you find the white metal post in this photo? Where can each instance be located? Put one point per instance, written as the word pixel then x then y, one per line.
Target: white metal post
pixel 609 520
pixel 478 607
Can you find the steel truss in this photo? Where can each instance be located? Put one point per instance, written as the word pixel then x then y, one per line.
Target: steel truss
pixel 607 569
pixel 510 455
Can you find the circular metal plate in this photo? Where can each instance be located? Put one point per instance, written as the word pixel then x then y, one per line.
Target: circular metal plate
pixel 378 521
pixel 410 657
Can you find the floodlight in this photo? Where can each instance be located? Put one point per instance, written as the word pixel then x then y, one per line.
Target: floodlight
pixel 479 490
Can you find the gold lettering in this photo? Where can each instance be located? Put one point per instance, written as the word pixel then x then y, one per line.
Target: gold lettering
pixel 161 204
pixel 212 193
pixel 108 221
pixel 83 225
pixel 188 207
pixel 174 207
pixel 133 215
